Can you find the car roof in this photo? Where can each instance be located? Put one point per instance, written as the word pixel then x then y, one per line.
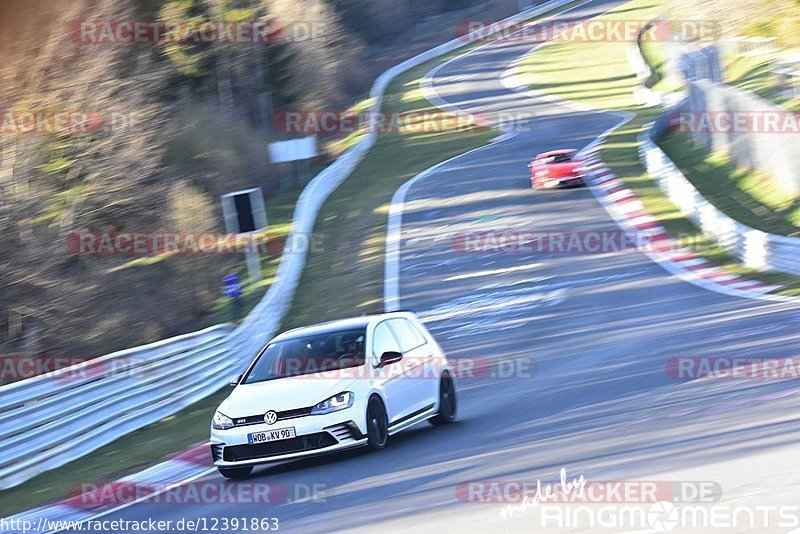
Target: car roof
pixel 353 323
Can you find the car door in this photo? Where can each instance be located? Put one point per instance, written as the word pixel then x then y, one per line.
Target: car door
pixel 419 363
pixel 393 378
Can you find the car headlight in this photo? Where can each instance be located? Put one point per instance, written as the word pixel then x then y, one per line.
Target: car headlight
pixel 222 422
pixel 338 402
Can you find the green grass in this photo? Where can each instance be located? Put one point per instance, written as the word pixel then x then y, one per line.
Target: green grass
pixel 753 200
pixel 603 79
pixel 753 73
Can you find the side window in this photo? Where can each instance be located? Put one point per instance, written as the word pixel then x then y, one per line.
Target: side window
pixel 407 335
pixel 422 340
pixel 383 340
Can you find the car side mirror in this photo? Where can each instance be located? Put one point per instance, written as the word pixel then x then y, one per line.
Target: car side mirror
pixel 235 381
pixel 390 357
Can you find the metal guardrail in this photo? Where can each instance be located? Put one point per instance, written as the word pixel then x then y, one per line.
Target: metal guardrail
pixel 754 248
pixel 50 420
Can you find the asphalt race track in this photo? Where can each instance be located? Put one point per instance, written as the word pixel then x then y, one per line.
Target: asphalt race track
pixel 584 339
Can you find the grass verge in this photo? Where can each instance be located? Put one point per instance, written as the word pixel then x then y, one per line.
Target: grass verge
pixel 753 200
pixel 602 78
pixel 754 73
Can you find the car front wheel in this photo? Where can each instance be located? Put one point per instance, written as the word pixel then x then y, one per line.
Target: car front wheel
pixel 377 424
pixel 447 402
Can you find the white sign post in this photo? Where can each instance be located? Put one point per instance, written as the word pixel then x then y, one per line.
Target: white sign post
pixel 293 150
pixel 245 214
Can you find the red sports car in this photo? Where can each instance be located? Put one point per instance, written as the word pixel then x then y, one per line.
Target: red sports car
pixel 559 168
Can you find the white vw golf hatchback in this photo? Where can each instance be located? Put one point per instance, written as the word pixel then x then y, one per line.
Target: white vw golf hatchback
pixel 333 386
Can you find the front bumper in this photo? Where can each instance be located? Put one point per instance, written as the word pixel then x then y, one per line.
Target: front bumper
pixel 314 435
pixel 572 181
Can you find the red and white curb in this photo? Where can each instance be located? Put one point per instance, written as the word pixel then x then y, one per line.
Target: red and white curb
pixel 183 468
pixel 629 212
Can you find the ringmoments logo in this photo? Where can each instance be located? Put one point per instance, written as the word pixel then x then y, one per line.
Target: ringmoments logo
pixel 629 505
pixel 664 516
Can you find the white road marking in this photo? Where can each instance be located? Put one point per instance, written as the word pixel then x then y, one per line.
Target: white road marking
pixel 513 283
pixel 494 271
pixel 692 262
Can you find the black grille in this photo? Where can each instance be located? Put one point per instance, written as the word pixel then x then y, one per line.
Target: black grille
pixel 259 419
pixel 291 414
pixel 308 442
pixel 216 452
pixel 344 431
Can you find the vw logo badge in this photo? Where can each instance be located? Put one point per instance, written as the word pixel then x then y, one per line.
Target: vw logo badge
pixel 270 417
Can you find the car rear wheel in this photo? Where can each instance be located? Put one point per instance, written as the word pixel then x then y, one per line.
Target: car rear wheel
pixel 447 402
pixel 235 473
pixel 377 424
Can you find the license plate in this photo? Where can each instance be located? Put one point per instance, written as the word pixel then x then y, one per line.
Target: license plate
pixel 271 435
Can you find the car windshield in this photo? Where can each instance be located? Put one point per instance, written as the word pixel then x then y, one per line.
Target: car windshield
pixel 304 355
pixel 561 158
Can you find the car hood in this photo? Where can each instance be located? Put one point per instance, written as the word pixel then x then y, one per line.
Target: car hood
pixel 557 170
pixel 283 394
